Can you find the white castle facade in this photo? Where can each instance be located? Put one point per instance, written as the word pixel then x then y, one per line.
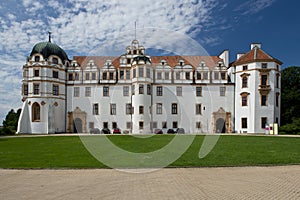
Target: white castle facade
pixel 138 93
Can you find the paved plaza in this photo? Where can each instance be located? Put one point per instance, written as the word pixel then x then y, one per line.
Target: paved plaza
pixel 281 182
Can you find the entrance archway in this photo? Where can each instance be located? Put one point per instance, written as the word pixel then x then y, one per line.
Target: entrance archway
pixel 220 126
pixel 77 125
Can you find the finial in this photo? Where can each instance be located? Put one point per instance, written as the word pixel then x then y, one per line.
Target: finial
pixel 49 36
pixel 135 30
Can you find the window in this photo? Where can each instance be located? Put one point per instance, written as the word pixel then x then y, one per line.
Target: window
pixel 179 91
pixel 264 80
pixel 148 89
pixel 198 109
pixel 36 89
pixel 153 125
pixel 141 72
pixel 127 74
pixel 105 91
pixel 105 124
pixel 70 76
pixel 177 74
pixel 159 108
pixel 198 75
pixel 198 125
pixel 134 73
pixel 245 67
pixel 76 92
pixel 264 100
pixel 141 89
pixel 25 89
pixel 159 91
pixel 148 73
pixel 175 124
pixel 54 60
pixel 125 90
pixel 128 125
pixel 277 81
pixel 198 91
pixel 141 125
pixel 128 61
pixel 77 76
pixel 216 75
pixel 264 65
pixel 121 74
pixel 167 75
pixel 244 100
pixel 223 75
pixel 134 52
pixel 37 59
pixel 244 123
pixel 187 75
pixel 263 122
pixel 55 90
pixel 87 91
pixel 91 125
pixel 95 109
pixel 174 108
pixel 113 109
pixel 114 125
pixel 111 75
pixel 87 76
pixel 36 73
pixel 128 108
pixel 205 75
pixel 55 74
pixel 104 75
pixel 141 110
pixel 158 75
pixel 164 125
pixel 277 67
pixel 277 99
pixel 222 91
pixel 244 82
pixel 36 112
pixel 133 89
pixel 93 76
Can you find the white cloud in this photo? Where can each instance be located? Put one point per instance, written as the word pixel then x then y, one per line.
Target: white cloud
pixel 254 6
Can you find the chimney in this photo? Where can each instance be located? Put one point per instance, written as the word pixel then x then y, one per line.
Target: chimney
pixel 239 55
pixel 255 45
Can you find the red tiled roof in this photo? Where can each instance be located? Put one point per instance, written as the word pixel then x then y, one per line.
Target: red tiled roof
pixel 255 55
pixel 210 61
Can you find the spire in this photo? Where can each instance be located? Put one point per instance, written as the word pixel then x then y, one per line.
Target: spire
pixel 135 30
pixel 49 36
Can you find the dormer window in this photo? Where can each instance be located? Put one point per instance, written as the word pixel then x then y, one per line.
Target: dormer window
pixel 37 58
pixel 54 60
pixel 134 52
pixel 245 67
pixel 264 65
pixel 181 63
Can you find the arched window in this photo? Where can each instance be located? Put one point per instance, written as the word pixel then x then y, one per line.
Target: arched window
pixel 36 112
pixel 245 82
pixel 54 60
pixel 37 58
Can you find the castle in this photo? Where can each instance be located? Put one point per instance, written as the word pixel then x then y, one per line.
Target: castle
pixel 139 93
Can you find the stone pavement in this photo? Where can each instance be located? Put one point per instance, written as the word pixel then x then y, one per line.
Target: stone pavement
pixel 281 182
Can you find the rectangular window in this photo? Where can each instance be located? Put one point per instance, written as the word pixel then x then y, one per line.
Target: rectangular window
pixel 223 75
pixel 264 100
pixel 134 73
pixel 128 74
pixel 222 91
pixel 36 89
pixel 198 75
pixel 264 65
pixel 77 76
pixel 141 110
pixel 128 109
pixel 125 91
pixel 198 91
pixel 91 125
pixel 244 82
pixel 104 75
pixel 277 81
pixel 244 123
pixel 76 91
pixel 167 75
pixel 245 67
pixel 87 91
pixel 174 108
pixel 95 109
pixel 177 74
pixel 55 90
pixel 159 108
pixel 187 75
pixel 87 76
pixel 114 125
pixel 164 125
pixel 148 73
pixel 198 125
pixel 70 77
pixel 244 100
pixel 159 91
pixel 36 73
pixel 25 89
pixel 133 89
pixel 105 91
pixel 198 109
pixel 111 75
pixel 105 124
pixel 122 74
pixel 128 61
pixel 141 125
pixel 205 75
pixel 128 125
pixel 154 125
pixel 55 74
pixel 216 75
pixel 93 76
pixel 179 91
pixel 141 72
pixel 113 109
pixel 148 89
pixel 263 122
pixel 141 89
pixel 264 80
pixel 158 75
pixel 175 124
pixel 277 99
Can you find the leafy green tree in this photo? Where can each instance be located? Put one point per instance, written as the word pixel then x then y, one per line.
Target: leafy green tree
pixel 10 124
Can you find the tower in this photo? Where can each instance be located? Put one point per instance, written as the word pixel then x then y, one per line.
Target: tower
pixel 44 90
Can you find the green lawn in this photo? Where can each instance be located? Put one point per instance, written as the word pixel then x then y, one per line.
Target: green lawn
pixel 69 152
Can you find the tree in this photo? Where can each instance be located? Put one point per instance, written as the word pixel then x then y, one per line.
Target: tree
pixel 10 124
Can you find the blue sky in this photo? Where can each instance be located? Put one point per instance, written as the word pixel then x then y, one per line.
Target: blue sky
pixel 106 27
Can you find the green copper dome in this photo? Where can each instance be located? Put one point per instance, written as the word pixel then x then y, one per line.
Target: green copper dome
pixel 47 49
